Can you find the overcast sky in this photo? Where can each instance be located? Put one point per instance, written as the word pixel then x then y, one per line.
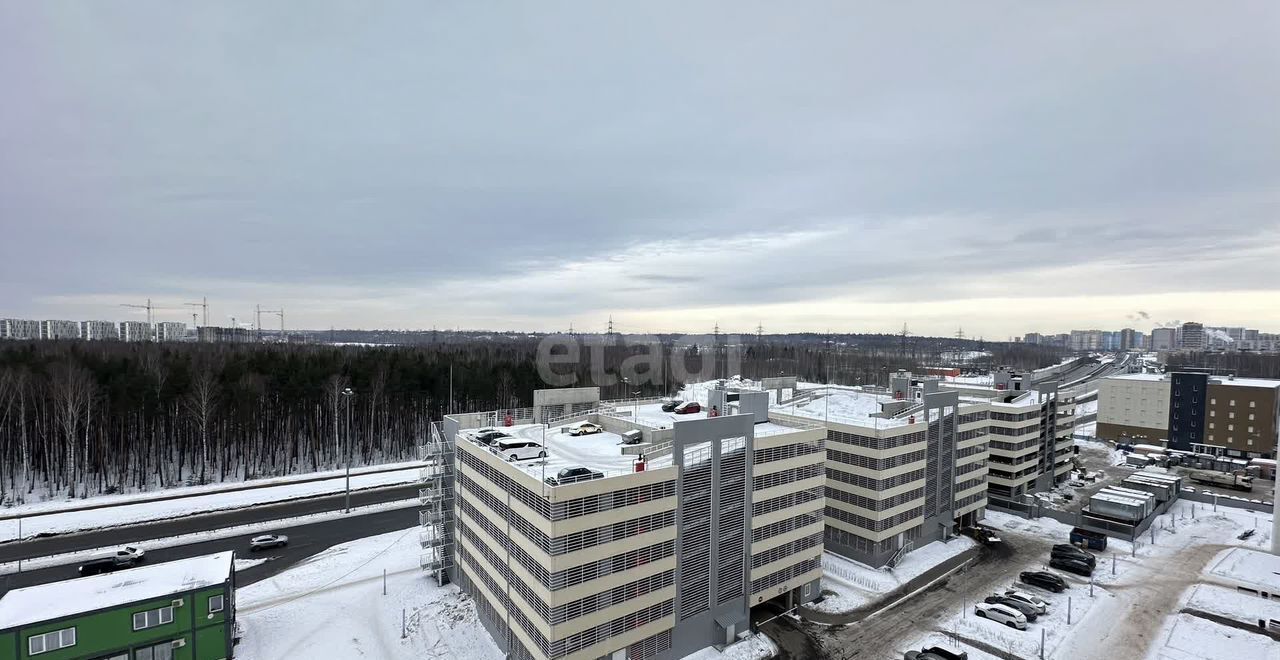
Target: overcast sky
pixel 1002 166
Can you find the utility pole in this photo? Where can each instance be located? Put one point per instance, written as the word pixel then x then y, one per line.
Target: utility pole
pixel 347 394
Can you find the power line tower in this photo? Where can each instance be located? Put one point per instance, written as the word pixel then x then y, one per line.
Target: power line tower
pixel 610 332
pixel 759 333
pixel 959 333
pixel 903 337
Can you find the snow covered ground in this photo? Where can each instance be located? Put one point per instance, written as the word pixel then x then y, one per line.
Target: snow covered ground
pixel 52 518
pixel 853 585
pixel 331 606
pixel 1187 637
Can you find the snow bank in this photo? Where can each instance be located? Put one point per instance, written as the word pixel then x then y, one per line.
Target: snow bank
pixel 853 585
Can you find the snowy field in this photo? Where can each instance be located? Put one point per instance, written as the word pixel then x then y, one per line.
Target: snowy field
pixel 332 606
pixel 854 585
pixel 49 517
pixel 1186 637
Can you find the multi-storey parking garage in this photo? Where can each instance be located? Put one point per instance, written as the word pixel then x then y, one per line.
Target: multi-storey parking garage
pixel 662 546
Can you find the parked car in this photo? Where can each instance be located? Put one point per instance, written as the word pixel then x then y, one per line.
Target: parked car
pixel 131 555
pixel 671 405
pixel 515 449
pixel 688 407
pixel 1029 611
pixel 490 437
pixel 1045 580
pixel 1001 614
pixel 981 535
pixel 632 437
pixel 268 541
pixel 1071 565
pixel 586 428
pixel 573 475
pixel 936 653
pixel 1124 446
pixel 1041 606
pixel 1072 552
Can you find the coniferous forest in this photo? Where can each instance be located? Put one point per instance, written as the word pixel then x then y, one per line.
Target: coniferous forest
pixel 85 418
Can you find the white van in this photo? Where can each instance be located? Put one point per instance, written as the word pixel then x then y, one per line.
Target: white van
pixel 1001 614
pixel 518 449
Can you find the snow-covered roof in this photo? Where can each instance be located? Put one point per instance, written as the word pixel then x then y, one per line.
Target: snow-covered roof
pixel 845 405
pixel 55 600
pixel 1218 380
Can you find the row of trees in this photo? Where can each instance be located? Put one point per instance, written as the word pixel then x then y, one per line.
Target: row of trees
pixel 81 418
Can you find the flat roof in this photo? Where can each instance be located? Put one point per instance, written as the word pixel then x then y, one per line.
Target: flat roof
pixel 845 405
pixel 56 600
pixel 1217 380
pixel 599 451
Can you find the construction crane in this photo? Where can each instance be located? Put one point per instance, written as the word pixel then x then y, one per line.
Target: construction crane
pixel 204 310
pixel 147 307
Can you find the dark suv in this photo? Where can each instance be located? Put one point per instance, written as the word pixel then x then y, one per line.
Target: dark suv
pixel 103 565
pixel 1064 551
pixel 574 475
pixel 1044 580
pixel 1071 565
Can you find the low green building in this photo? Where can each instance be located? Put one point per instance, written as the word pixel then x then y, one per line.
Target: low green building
pixel 178 610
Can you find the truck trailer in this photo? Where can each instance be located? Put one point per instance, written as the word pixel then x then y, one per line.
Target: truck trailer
pixel 1223 480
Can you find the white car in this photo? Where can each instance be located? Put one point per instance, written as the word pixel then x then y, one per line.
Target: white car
pixel 586 428
pixel 1026 599
pixel 130 555
pixel 1001 614
pixel 517 449
pixel 268 541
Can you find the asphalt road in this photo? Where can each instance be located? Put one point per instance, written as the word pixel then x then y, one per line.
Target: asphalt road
pixel 304 541
pixel 138 533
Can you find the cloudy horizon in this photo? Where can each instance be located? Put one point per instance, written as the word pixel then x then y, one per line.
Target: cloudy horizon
pixel 998 167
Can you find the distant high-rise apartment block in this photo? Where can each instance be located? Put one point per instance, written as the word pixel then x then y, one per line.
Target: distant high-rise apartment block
pixel 1193 338
pixel 135 331
pixel 19 329
pixel 99 330
pixel 59 330
pixel 1163 339
pixel 171 331
pixel 1031 338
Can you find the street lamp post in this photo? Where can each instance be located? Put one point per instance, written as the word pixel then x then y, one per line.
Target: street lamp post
pixel 347 394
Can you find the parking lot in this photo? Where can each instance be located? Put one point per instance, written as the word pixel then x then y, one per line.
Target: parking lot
pixel 1120 614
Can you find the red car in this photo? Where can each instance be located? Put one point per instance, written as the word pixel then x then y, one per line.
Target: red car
pixel 688 407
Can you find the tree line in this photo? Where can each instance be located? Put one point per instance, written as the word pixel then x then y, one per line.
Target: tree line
pixel 85 418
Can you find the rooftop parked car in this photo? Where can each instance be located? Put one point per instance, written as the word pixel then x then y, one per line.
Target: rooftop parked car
pixel 268 541
pixel 573 475
pixel 1072 552
pixel 516 449
pixel 688 407
pixel 1071 565
pixel 1041 606
pixel 1044 580
pixel 1029 611
pixel 669 406
pixel 490 437
pixel 586 428
pixel 1001 614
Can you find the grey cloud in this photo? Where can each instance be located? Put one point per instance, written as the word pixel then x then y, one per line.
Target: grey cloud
pixel 435 150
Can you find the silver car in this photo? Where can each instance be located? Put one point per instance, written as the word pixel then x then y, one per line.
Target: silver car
pixel 268 541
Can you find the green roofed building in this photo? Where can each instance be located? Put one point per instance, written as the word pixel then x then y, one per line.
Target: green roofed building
pixel 178 610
